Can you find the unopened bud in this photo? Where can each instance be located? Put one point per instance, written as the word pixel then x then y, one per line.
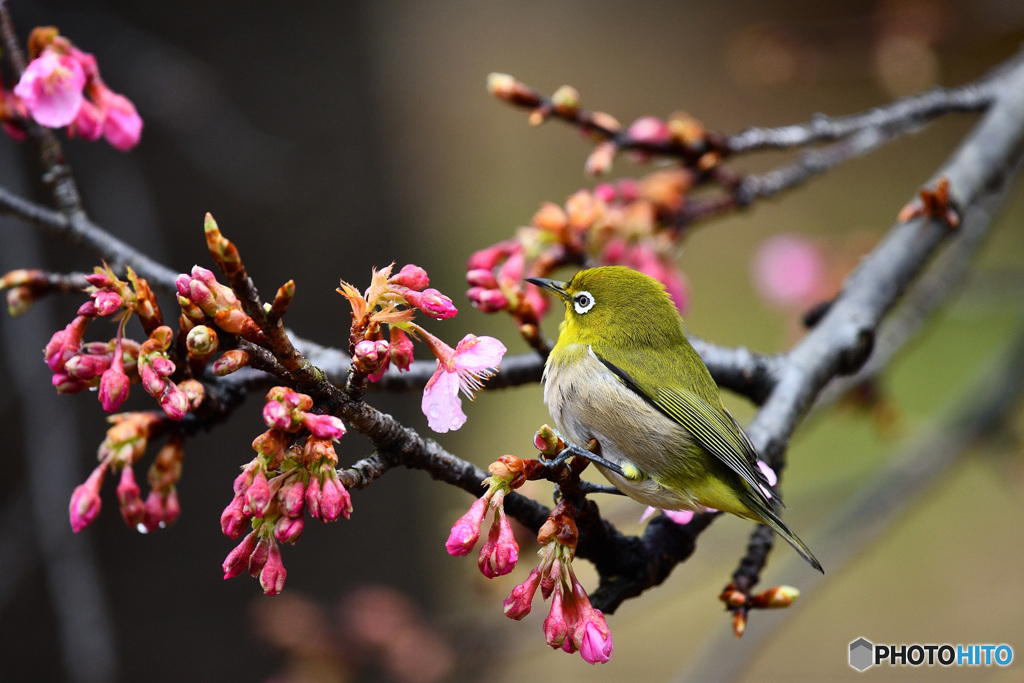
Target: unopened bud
pixel 566 101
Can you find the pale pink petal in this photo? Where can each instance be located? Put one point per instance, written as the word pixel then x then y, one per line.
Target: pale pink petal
pixel 679 516
pixel 769 473
pixel 478 353
pixel 441 403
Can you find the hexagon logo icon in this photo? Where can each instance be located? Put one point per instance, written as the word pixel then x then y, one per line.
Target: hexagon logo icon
pixel 861 654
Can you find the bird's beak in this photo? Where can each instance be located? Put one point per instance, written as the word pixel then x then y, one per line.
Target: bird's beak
pixel 554 285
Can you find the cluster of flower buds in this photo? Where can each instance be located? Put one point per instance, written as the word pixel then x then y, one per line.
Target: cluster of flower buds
pixel 500 552
pixel 124 445
pixel 572 624
pixel 629 222
pixel 282 483
pixel 392 300
pixel 112 366
pixel 61 87
pixel 203 299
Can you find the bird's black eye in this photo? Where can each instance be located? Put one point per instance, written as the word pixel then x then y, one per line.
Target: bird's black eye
pixel 583 302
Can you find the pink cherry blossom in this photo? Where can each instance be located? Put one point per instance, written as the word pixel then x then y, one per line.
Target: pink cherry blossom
pixel 473 361
pixel 51 88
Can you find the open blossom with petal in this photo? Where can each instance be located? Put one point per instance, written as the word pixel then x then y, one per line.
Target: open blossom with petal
pixel 51 88
pixel 473 361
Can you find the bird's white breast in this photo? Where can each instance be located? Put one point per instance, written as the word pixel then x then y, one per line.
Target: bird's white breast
pixel 587 401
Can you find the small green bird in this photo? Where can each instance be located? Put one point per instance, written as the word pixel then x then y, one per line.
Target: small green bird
pixel 624 374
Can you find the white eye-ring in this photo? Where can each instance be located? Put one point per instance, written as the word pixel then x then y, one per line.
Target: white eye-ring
pixel 583 302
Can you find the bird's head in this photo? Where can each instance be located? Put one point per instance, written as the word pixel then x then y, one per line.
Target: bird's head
pixel 615 305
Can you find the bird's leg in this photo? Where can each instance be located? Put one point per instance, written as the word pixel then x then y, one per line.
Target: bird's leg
pixel 588 487
pixel 572 450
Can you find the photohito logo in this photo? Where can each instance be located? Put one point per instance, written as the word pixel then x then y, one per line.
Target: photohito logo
pixel 864 654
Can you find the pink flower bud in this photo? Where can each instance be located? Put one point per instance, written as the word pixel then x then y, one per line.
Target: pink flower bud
pixel 334 499
pixel 519 603
pixel 128 495
pixel 152 383
pixel 293 497
pixel 234 520
pixel 100 279
pixel 259 556
pixel 370 355
pixel 313 492
pixel 230 362
pixel 257 498
pixel 480 277
pixel 556 629
pixel 487 300
pixel 401 348
pixel 237 560
pixel 65 343
pixel 323 426
pixel 85 500
pixel 273 575
pixel 277 416
pixel 487 259
pixel 412 277
pixel 432 303
pixel 107 301
pixel 172 507
pixel 605 192
pixel 88 125
pixel 114 385
pixel 174 401
pixel 501 552
pixel 466 530
pixel 201 341
pixel 183 283
pixel 595 640
pixel 649 130
pixel 288 529
pixel 511 272
pixel 162 366
pixel 66 384
pixel 86 367
pixel 122 125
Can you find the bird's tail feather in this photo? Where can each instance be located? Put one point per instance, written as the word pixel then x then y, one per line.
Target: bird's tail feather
pixel 768 516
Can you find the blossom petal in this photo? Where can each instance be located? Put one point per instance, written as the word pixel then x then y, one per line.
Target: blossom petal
pixel 478 353
pixel 441 403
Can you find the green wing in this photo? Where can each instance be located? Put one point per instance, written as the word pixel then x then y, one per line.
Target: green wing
pixel 710 425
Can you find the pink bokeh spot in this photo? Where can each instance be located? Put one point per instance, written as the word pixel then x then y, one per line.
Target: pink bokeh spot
pixel 789 270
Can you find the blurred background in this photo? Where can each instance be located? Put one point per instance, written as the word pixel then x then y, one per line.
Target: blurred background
pixel 330 137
